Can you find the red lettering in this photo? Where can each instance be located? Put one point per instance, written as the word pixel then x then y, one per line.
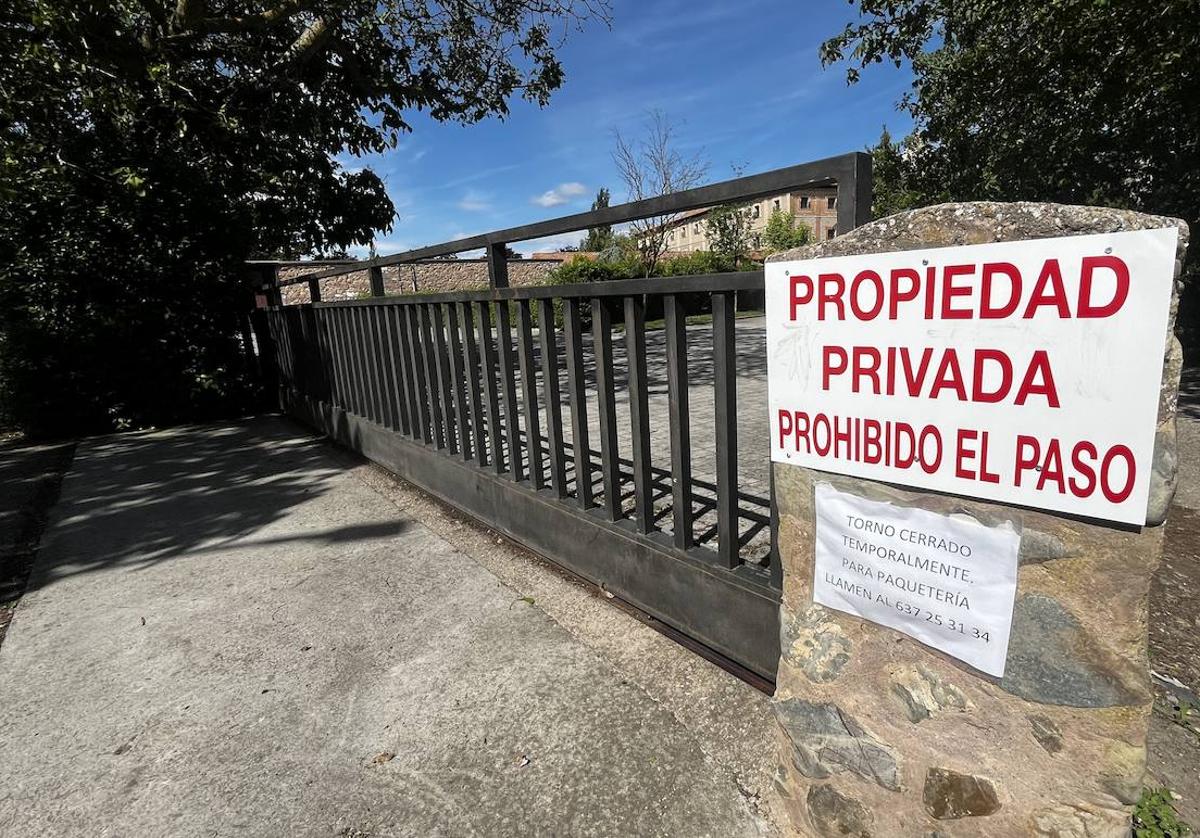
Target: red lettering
pixel 786 424
pixel 1116 496
pixel 829 353
pixel 1052 467
pixel 896 295
pixel 915 381
pixel 1039 365
pixel 1055 295
pixel 855 286
pixel 1027 456
pixel 833 286
pixel 949 377
pixel 988 311
pixel 950 291
pixel 866 365
pixel 963 454
pixel 1087 306
pixel 800 292
pixel 1084 469
pixel 978 393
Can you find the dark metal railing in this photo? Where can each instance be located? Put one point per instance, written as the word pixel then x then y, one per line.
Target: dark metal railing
pixel 507 403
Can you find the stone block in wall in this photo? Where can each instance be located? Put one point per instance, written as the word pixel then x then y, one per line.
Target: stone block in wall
pixel 430 276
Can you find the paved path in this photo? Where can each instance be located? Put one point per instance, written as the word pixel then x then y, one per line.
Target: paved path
pixel 228 632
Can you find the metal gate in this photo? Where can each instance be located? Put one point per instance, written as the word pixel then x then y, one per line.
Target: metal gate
pixel 511 405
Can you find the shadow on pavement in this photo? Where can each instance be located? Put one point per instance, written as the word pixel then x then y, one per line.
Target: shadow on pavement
pixel 139 499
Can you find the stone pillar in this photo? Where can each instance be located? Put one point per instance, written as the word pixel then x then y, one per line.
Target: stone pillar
pixel 880 735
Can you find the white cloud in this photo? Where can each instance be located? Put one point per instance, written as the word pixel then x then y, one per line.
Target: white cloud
pixel 549 243
pixel 560 194
pixel 474 201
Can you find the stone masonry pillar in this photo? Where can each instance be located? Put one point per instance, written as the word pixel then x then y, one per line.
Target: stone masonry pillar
pixel 882 736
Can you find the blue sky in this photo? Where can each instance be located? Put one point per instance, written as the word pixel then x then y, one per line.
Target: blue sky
pixel 741 81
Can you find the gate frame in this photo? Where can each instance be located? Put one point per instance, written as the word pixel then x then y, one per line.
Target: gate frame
pixel 379 376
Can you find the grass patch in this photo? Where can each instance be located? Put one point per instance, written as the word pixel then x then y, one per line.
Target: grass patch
pixel 1154 816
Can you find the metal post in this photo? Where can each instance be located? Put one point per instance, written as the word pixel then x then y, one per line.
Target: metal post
pixel 376 281
pixel 854 193
pixel 497 258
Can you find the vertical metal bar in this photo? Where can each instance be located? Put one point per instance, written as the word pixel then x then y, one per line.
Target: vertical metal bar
pixel 343 334
pixel 533 431
pixel 491 398
pixel 418 370
pixel 367 346
pixel 310 365
pixel 429 352
pixel 474 385
pixel 639 411
pixel 325 353
pixel 725 395
pixel 378 367
pixel 681 437
pixel 273 292
pixel 376 274
pixel 275 324
pixel 392 390
pixel 509 390
pixel 577 389
pixel 332 316
pixel 397 329
pixel 354 331
pixel 497 259
pixel 444 381
pixel 602 341
pixel 458 381
pixel 554 435
pixel 279 319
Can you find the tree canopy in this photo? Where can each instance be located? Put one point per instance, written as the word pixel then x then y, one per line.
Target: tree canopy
pixel 1083 101
pixel 148 148
pixel 1076 101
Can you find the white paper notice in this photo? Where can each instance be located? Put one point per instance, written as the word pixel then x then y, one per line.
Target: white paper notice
pixel 947 582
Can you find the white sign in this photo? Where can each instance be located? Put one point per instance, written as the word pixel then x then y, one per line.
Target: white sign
pixel 1023 372
pixel 948 582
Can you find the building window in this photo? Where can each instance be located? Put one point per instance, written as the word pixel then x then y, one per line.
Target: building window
pixel 696 229
pixel 831 202
pixel 831 232
pixel 776 203
pixel 755 211
pixel 803 202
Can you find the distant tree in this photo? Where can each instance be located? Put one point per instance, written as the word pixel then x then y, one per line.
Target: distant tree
pixel 728 228
pixel 149 147
pixel 783 232
pixel 509 253
pixel 893 176
pixel 651 166
pixel 598 238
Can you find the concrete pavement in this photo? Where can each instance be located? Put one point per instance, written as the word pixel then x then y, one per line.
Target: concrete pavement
pixel 229 632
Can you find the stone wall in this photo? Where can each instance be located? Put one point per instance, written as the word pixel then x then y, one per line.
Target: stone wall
pixel 433 276
pixel 880 735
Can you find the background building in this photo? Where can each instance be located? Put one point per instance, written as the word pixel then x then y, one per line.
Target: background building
pixel 814 207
